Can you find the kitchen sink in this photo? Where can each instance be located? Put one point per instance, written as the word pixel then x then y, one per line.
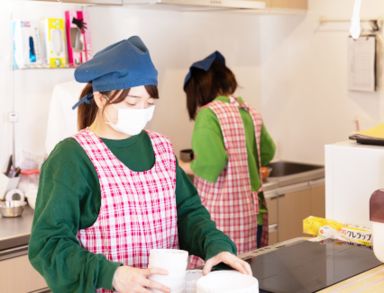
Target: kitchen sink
pixel 284 168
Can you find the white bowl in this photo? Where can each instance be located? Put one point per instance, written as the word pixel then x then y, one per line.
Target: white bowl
pixel 227 282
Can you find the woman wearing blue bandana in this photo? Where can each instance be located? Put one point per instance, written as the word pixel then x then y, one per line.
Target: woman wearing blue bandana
pixel 230 144
pixel 113 191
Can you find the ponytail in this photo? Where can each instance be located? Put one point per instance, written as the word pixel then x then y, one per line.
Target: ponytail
pixel 86 113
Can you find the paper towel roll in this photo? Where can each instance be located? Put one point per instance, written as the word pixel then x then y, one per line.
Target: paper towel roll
pixel 15 194
pixel 62 120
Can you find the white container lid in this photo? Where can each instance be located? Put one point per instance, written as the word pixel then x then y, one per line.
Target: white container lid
pixel 227 282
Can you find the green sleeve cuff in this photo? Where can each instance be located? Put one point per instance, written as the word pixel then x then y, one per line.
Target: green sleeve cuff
pixel 107 271
pixel 220 246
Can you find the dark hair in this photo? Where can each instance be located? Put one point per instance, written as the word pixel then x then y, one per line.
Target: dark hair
pixel 86 113
pixel 205 86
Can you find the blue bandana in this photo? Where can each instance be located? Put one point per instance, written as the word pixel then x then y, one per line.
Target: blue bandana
pixel 204 64
pixel 122 65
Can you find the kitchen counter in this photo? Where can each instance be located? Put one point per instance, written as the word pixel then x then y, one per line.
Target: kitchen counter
pixel 15 232
pixel 371 281
pixel 273 184
pixel 14 236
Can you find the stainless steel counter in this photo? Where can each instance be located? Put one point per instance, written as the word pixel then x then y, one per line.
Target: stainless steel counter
pixel 15 232
pixel 309 178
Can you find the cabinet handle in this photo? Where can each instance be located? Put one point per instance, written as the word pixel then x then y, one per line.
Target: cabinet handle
pixel 272 228
pixel 293 188
pixel 318 182
pixel 282 191
pixel 274 195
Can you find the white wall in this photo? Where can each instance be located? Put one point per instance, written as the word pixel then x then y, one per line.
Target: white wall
pixel 305 98
pixel 6 95
pixel 293 70
pixel 175 39
pixel 27 92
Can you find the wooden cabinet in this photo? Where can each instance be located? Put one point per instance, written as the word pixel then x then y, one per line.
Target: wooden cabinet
pixel 294 206
pixel 272 204
pixel 18 276
pixel 287 4
pixel 318 198
pixel 289 205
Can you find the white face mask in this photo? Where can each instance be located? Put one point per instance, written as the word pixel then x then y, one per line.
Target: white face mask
pixel 132 121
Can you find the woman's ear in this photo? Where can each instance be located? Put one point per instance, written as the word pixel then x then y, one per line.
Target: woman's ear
pixel 100 99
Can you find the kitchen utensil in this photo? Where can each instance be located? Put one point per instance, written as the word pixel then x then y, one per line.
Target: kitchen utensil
pixel 186 155
pixel 12 209
pixel 9 166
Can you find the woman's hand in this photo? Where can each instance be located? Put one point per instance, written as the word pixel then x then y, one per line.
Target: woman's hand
pixel 133 280
pixel 229 259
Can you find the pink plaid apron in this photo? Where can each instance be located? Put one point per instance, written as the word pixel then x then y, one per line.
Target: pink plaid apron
pixel 138 209
pixel 230 200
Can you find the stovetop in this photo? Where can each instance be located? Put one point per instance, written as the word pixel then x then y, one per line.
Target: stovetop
pixel 306 266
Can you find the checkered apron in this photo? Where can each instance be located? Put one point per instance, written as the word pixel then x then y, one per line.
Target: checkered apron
pixel 138 209
pixel 230 200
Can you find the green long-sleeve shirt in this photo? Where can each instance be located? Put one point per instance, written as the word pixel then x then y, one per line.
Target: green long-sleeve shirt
pixel 69 200
pixel 210 152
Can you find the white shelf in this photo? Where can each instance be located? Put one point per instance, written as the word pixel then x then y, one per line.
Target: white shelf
pixel 42 66
pixel 86 2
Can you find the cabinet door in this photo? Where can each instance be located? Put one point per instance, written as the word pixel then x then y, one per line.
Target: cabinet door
pixel 18 276
pixel 293 208
pixel 272 205
pixel 318 198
